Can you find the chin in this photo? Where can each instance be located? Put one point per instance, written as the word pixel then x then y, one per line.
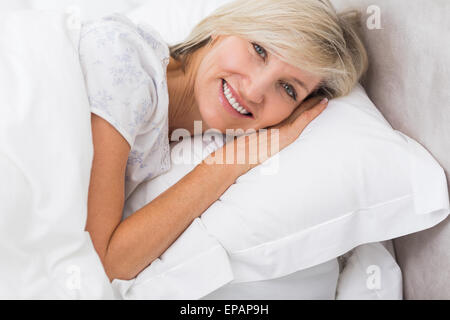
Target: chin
pixel 212 122
pixel 211 118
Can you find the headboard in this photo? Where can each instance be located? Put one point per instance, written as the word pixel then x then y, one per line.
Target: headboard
pixel 408 42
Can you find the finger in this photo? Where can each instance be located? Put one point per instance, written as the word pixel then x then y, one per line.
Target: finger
pixel 309 103
pixel 309 115
pixel 304 106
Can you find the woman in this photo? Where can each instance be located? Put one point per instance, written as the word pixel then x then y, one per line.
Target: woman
pixel 252 64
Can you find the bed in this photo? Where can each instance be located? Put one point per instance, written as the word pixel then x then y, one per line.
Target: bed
pixel 423 258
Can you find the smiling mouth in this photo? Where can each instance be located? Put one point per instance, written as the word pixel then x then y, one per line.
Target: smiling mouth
pixel 227 92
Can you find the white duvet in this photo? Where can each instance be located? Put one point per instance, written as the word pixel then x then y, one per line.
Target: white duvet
pixel 45 159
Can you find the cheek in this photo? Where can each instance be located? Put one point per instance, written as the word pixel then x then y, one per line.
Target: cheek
pixel 237 62
pixel 227 60
pixel 205 97
pixel 232 56
pixel 277 109
pixel 206 92
pixel 279 116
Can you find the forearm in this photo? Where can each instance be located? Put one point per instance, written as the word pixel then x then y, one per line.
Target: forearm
pixel 145 235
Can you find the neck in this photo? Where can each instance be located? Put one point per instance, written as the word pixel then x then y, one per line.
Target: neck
pixel 183 109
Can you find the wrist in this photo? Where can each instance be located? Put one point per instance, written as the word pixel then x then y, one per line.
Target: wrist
pixel 218 161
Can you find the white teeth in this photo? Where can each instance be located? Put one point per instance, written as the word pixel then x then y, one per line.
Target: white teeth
pixel 233 101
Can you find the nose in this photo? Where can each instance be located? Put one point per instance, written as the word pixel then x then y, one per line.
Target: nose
pixel 256 86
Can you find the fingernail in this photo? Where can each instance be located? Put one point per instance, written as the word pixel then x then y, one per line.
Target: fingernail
pixel 324 101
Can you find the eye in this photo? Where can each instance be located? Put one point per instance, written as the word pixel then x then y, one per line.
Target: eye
pixel 260 50
pixel 289 90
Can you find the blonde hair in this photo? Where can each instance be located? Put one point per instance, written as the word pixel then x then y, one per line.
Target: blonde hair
pixel 307 34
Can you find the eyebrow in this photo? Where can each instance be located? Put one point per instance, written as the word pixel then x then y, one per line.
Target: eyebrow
pixel 299 82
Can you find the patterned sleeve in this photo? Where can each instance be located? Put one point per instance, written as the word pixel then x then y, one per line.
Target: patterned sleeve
pixel 119 88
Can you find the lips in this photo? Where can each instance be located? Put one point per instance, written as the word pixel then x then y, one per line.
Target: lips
pixel 236 97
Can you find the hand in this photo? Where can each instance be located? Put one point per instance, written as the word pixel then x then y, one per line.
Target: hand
pixel 291 128
pixel 288 131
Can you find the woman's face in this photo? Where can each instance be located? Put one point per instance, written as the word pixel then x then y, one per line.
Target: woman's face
pixel 238 74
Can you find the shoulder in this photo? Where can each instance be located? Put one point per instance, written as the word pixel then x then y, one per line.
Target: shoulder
pixel 124 71
pixel 116 31
pixel 127 53
pixel 108 26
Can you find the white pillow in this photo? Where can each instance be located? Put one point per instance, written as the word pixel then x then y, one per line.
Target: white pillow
pixel 370 273
pixel 89 9
pixel 348 180
pixel 174 19
pixel 315 283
